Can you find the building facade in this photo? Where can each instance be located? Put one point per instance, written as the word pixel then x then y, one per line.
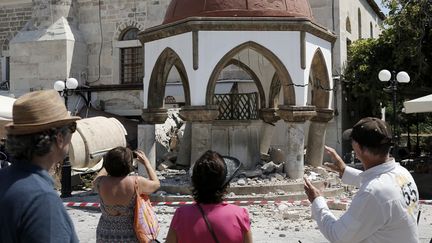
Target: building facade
pixel 349 21
pixel 96 42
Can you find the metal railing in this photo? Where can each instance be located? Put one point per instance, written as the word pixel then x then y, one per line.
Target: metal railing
pixel 237 106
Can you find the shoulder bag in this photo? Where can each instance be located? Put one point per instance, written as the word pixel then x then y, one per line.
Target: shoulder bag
pixel 146 224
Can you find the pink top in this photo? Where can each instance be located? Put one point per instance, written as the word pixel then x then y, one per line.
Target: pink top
pixel 228 221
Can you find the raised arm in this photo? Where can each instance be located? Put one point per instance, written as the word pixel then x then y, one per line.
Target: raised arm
pixel 348 174
pixel 151 184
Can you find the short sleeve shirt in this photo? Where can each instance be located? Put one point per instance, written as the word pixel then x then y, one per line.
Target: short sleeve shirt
pixel 229 222
pixel 30 208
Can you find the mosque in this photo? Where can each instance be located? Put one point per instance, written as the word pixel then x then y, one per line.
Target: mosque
pixel 245 75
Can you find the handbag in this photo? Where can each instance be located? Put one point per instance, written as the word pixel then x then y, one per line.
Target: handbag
pixel 208 224
pixel 146 224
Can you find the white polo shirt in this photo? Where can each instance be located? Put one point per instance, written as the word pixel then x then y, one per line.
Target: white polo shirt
pixel 383 210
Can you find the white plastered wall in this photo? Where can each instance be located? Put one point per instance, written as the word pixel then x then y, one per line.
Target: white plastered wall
pixel 181 44
pixel 214 45
pixel 312 45
pixel 275 41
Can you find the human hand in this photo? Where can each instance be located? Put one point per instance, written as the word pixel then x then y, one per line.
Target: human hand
pixel 311 191
pixel 338 165
pixel 141 157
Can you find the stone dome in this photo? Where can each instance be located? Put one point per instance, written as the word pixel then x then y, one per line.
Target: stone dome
pixel 181 9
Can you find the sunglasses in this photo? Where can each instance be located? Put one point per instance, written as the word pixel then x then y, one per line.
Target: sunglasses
pixel 72 127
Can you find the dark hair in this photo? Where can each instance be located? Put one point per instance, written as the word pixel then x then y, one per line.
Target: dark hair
pixel 382 149
pixel 25 147
pixel 118 161
pixel 208 178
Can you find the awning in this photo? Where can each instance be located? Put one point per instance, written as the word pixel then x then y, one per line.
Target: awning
pixel 419 105
pixel 6 104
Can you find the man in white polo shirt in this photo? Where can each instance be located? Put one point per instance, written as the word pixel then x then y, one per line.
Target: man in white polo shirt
pixel 385 207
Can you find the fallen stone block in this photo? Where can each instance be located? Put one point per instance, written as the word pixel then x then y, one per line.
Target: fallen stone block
pixel 292 215
pixel 269 167
pixel 252 173
pixel 337 205
pixel 165 165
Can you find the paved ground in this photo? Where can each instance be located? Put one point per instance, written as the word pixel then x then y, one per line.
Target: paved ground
pixel 270 223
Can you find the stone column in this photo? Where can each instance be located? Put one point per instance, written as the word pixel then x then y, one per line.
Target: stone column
pixel 201 118
pixel 294 165
pixel 269 117
pixel 295 117
pixel 316 137
pixel 183 157
pixel 147 134
pixel 147 143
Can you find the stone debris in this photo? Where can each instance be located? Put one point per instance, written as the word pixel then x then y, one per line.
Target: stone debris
pixel 252 173
pixel 165 165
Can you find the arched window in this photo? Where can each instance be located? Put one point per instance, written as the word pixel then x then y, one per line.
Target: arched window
pixel 371 30
pixel 131 58
pixel 359 24
pixel 348 25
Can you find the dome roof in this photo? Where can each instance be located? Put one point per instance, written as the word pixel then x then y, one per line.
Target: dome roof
pixel 181 9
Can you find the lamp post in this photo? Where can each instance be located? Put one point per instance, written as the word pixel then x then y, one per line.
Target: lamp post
pixel 65 89
pixel 394 79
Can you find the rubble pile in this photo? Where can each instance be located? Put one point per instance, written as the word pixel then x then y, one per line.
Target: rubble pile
pixel 268 173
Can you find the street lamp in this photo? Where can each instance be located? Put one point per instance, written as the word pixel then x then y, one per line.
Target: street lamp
pixel 394 79
pixel 65 89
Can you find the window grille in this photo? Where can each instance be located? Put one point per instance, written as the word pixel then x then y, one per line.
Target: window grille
pixel 131 59
pixel 131 65
pixel 237 106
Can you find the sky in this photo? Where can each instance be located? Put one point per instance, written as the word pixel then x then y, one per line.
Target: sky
pixel 383 9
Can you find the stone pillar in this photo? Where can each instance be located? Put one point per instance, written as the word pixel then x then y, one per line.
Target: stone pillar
pixel 269 116
pixel 201 118
pixel 294 165
pixel 295 117
pixel 147 134
pixel 147 143
pixel 183 157
pixel 316 137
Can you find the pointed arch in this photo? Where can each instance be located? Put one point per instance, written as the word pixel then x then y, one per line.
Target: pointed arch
pixel 359 23
pixel 288 89
pixel 348 24
pixel 156 92
pixel 275 88
pixel 254 77
pixel 319 79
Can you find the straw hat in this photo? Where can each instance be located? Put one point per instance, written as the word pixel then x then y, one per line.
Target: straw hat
pixel 38 111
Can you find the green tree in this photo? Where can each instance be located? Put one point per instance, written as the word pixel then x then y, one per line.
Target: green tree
pixel 405 44
pixel 408 31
